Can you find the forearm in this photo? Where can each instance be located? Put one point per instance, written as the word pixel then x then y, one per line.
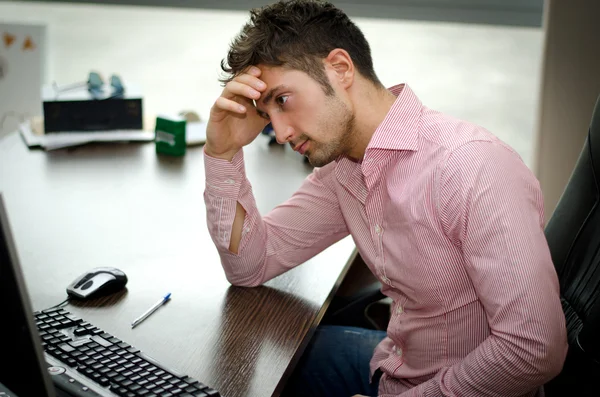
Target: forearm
pixel 228 198
pixel 236 229
pixel 254 249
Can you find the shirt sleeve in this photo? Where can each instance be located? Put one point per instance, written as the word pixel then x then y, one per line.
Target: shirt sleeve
pixel 292 233
pixel 491 207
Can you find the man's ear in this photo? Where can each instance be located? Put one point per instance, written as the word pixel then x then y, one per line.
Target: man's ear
pixel 340 67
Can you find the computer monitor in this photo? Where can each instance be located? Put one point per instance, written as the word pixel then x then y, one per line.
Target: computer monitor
pixel 23 369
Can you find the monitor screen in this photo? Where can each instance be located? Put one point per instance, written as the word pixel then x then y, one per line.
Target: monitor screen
pixel 22 367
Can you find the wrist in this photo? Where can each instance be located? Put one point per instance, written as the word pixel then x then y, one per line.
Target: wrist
pixel 228 155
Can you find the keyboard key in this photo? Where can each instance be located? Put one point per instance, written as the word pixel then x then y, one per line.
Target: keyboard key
pixel 83 358
pixel 73 318
pixel 101 341
pixel 134 387
pixel 79 342
pixel 65 347
pixel 80 331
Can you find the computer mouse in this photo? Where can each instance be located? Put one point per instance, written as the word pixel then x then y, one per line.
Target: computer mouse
pixel 97 282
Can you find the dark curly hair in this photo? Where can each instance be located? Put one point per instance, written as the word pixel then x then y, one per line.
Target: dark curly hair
pixel 298 34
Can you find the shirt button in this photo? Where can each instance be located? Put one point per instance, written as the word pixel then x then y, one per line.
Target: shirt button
pixel 247 229
pixel 377 229
pixel 386 280
pixel 398 352
pixel 230 181
pixel 399 309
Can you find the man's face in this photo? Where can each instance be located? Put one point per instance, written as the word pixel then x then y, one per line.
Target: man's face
pixel 316 125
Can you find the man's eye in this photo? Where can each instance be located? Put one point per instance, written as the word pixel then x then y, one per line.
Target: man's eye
pixel 281 100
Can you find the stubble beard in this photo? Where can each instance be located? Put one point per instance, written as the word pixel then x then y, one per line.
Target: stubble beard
pixel 340 129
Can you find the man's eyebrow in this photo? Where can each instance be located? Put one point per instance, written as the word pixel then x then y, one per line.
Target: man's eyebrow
pixel 270 94
pixel 265 101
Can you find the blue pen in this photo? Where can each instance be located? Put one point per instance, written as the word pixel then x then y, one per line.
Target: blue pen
pixel 151 310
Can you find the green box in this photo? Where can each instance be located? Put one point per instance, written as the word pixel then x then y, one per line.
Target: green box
pixel 169 135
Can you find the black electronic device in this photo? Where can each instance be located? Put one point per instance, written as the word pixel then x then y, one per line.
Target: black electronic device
pixel 97 282
pixel 86 108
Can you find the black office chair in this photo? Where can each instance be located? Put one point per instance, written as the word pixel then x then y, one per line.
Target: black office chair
pixel 365 306
pixel 573 235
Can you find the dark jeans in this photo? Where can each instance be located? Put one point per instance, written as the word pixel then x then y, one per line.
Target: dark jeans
pixel 336 364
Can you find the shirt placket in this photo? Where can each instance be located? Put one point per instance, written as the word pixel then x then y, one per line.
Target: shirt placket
pixel 374 209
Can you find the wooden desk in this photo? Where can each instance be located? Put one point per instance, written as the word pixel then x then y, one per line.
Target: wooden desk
pixel 121 205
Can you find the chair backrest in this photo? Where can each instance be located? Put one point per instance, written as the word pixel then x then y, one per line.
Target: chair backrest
pixel 573 234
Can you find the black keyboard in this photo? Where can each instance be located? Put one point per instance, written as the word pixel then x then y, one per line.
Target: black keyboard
pixel 110 362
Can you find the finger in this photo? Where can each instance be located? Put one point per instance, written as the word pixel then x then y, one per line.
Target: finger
pixel 254 71
pixel 251 81
pixel 229 105
pixel 235 88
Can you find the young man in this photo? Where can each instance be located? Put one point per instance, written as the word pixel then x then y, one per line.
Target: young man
pixel 447 216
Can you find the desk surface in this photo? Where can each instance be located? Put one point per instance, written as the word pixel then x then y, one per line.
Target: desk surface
pixel 122 205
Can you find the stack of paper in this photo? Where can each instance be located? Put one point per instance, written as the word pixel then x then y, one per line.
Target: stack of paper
pixel 59 140
pixel 195 135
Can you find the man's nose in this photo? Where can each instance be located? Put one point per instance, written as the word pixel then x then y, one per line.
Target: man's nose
pixel 283 133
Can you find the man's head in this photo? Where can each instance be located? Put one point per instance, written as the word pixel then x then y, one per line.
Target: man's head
pixel 298 34
pixel 310 55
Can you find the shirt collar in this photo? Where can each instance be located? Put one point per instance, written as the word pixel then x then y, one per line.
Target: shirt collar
pixel 398 131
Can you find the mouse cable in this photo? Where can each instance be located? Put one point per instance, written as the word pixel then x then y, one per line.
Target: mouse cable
pixel 61 304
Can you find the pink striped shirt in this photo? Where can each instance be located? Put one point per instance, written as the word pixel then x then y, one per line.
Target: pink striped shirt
pixel 451 222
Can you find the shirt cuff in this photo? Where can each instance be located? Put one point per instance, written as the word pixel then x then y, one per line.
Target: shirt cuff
pixel 224 178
